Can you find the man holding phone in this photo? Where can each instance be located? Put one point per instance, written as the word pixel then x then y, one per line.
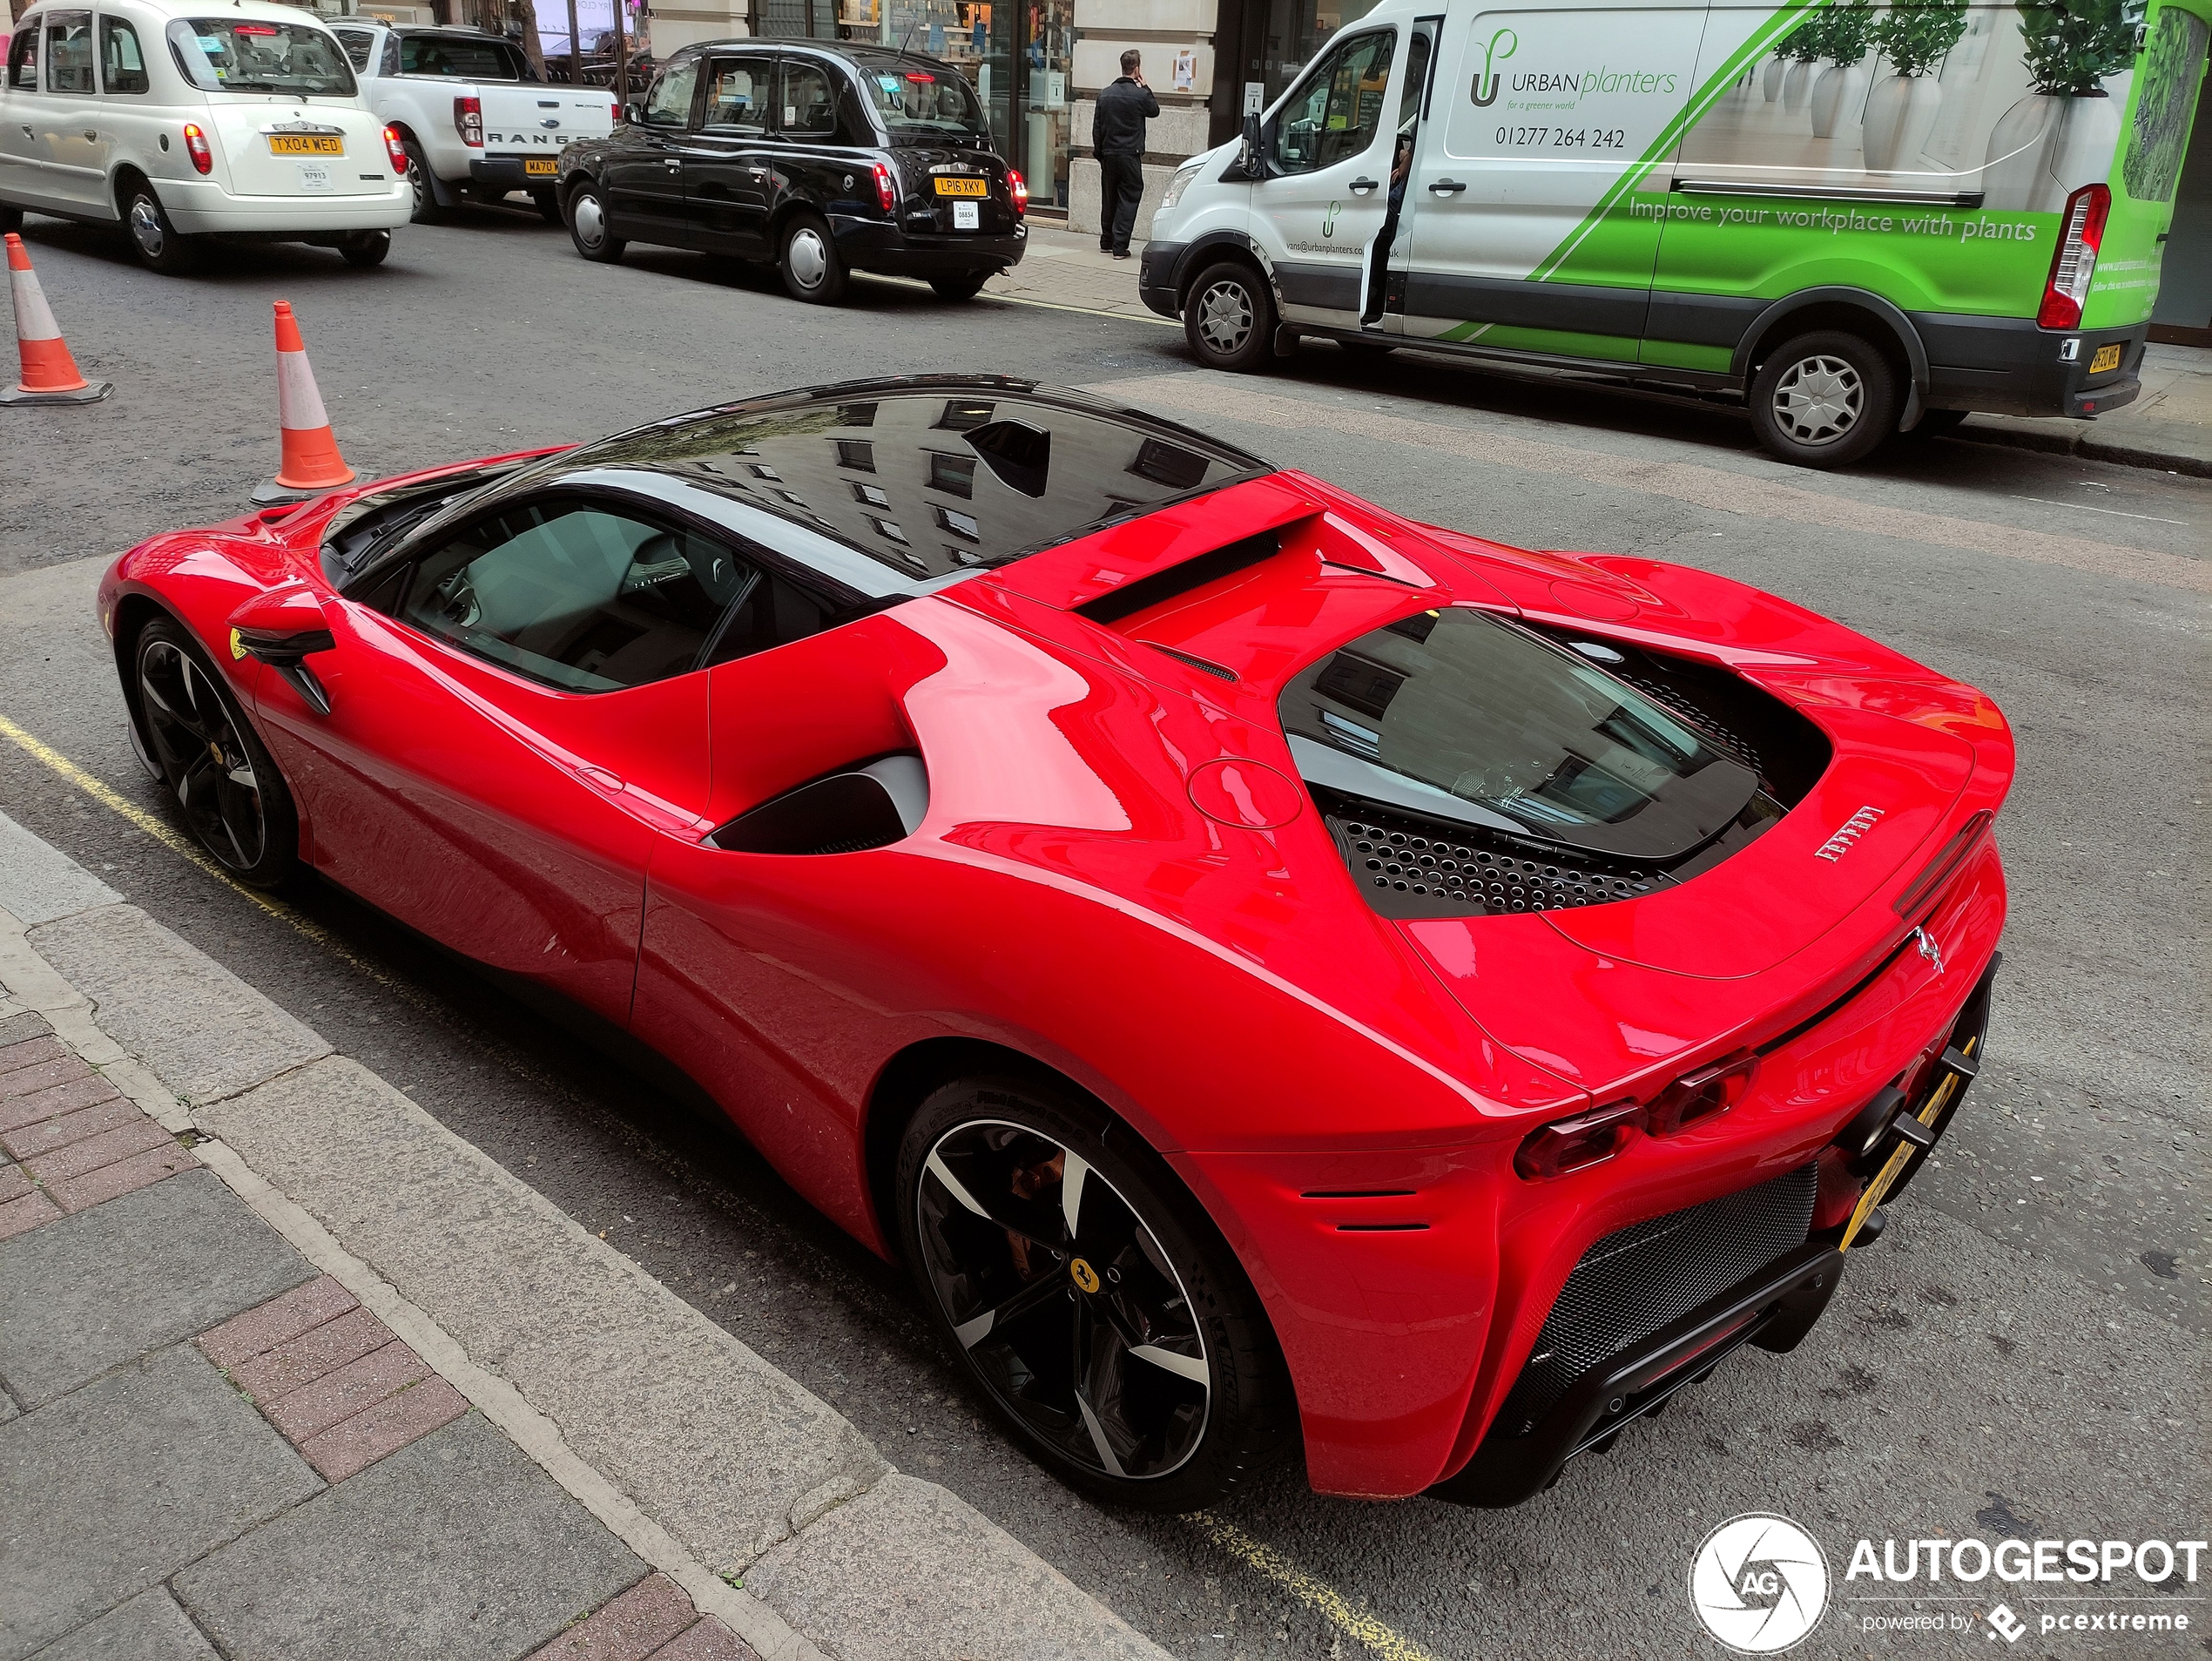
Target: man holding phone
pixel 1117 135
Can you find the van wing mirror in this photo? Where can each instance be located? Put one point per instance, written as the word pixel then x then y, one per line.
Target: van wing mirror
pixel 1248 152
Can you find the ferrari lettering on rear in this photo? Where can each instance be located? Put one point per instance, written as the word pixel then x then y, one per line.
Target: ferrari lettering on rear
pixel 1847 835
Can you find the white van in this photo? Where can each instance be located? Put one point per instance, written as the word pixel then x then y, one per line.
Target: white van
pixel 1861 219
pixel 181 121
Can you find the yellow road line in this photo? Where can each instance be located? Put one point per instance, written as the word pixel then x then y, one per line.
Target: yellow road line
pixel 1324 1600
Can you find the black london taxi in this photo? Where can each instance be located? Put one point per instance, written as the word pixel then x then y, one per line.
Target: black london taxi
pixel 821 159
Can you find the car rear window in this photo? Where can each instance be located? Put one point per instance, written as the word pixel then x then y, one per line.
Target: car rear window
pixel 462 59
pixel 919 100
pixel 1461 717
pixel 247 55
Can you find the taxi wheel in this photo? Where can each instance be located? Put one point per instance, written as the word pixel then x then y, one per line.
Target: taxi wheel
pixel 966 286
pixel 365 249
pixel 812 269
pixel 1089 1297
pixel 229 791
pixel 1823 399
pixel 1229 318
pixel 587 216
pixel 153 240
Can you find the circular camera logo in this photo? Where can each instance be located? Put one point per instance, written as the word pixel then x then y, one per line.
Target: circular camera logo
pixel 1759 1583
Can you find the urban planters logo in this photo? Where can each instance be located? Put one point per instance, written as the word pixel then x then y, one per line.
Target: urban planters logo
pixel 1847 835
pixel 1485 91
pixel 1759 1583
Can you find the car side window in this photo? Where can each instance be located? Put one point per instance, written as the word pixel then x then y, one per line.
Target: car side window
pixel 578 594
pixel 389 64
pixel 358 45
pixel 736 96
pixel 808 100
pixel 22 60
pixel 669 105
pixel 123 67
pixel 69 51
pixel 1336 112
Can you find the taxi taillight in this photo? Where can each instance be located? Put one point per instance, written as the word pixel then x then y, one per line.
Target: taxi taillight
pixel 203 158
pixel 395 147
pixel 1021 189
pixel 887 189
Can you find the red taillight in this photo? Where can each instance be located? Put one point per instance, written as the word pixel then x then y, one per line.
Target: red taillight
pixel 887 189
pixel 617 109
pixel 1569 1145
pixel 252 29
pixel 921 77
pixel 2076 257
pixel 203 158
pixel 1700 1095
pixel 1021 190
pixel 469 121
pixel 395 147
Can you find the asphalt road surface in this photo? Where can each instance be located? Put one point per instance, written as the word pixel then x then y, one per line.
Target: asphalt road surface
pixel 2023 1353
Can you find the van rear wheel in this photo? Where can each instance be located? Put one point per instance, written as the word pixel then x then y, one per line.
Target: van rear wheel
pixel 1824 399
pixel 1229 318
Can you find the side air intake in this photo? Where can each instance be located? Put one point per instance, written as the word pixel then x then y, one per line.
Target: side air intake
pixel 841 813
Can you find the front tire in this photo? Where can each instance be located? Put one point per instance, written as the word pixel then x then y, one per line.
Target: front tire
pixel 1824 399
pixel 1229 318
pixel 587 217
pixel 1088 1296
pixel 807 259
pixel 227 788
pixel 153 239
pixel 366 249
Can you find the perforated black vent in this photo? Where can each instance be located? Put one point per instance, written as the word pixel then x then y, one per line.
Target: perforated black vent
pixel 1412 868
pixel 1636 1281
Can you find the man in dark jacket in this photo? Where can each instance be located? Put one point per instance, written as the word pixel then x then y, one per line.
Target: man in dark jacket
pixel 1117 134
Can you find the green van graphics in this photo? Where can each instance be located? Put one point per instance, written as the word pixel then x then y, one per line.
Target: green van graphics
pixel 1950 206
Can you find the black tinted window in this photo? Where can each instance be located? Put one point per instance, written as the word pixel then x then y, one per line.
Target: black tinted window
pixel 582 595
pixel 357 44
pixel 918 101
pixel 460 58
pixel 22 59
pixel 809 101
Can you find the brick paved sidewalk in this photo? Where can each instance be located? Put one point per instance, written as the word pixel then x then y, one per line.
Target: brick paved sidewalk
pixel 206 1447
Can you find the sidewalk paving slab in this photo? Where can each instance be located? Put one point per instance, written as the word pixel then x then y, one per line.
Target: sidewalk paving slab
pixel 149 1627
pixel 99 1288
pixel 107 1491
pixel 200 1028
pixel 474 1555
pixel 39 883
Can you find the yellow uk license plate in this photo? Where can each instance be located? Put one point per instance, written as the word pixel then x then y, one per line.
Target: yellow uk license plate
pixel 540 164
pixel 299 143
pixel 963 187
pixel 2107 358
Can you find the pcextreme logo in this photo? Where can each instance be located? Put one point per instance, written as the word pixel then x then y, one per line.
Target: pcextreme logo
pixel 1485 90
pixel 1759 1583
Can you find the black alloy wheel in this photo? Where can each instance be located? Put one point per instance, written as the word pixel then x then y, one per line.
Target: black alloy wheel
pixel 365 249
pixel 1824 399
pixel 1090 1297
pixel 587 216
pixel 231 796
pixel 1228 317
pixel 966 285
pixel 153 239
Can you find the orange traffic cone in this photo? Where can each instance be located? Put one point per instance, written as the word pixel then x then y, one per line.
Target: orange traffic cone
pixel 49 375
pixel 312 462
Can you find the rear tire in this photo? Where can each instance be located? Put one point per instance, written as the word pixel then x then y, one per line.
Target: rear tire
pixel 153 239
pixel 1824 399
pixel 366 250
pixel 811 268
pixel 965 287
pixel 1042 1312
pixel 1229 318
pixel 228 790
pixel 587 217
pixel 426 210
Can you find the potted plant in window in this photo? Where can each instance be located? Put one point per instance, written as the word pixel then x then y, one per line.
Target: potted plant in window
pixel 1840 96
pixel 1914 36
pixel 1777 67
pixel 1807 47
pixel 2061 135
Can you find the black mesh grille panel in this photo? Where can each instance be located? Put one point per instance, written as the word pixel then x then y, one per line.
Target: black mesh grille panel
pixel 1636 1281
pixel 1414 867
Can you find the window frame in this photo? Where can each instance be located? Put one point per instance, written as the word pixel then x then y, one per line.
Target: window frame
pixel 48 24
pixel 105 24
pixel 694 65
pixel 714 61
pixel 33 29
pixel 1344 42
pixel 786 62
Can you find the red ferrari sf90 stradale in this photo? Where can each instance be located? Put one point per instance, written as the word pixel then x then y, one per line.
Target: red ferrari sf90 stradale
pixel 1283 977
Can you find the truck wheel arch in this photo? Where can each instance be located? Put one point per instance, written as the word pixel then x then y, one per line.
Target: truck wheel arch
pixel 1209 249
pixel 1856 309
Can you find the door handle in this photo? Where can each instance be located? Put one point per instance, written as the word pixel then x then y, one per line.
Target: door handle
pixel 1448 187
pixel 1361 186
pixel 92 133
pixel 674 165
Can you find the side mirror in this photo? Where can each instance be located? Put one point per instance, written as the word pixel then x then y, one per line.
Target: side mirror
pixel 1248 151
pixel 633 113
pixel 281 627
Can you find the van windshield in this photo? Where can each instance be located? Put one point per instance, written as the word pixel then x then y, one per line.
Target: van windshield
pixel 246 55
pixel 919 98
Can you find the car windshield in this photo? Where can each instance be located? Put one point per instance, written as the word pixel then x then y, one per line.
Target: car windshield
pixel 462 57
pixel 246 55
pixel 1457 715
pixel 918 98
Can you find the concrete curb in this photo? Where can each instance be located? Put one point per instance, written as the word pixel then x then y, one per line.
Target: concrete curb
pixel 2117 443
pixel 708 1462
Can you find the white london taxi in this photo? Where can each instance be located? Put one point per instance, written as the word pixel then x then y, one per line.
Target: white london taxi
pixel 182 120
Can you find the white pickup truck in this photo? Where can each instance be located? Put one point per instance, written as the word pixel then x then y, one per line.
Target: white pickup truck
pixel 475 121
